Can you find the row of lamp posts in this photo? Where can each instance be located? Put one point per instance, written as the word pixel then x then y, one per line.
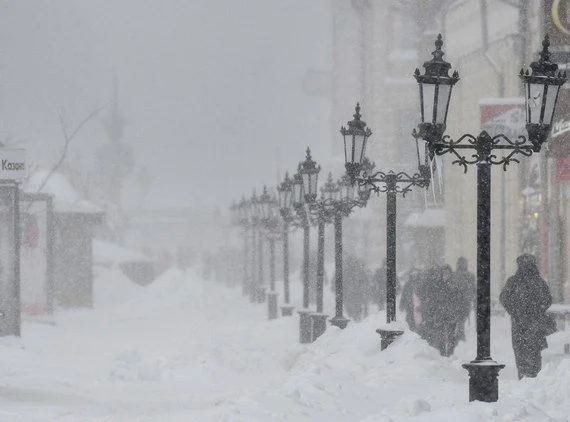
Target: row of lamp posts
pixel 300 206
pixel 299 201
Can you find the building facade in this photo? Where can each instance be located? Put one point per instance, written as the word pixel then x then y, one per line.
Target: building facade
pixel 377 47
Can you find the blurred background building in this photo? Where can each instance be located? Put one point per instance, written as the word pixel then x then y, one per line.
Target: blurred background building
pixel 376 48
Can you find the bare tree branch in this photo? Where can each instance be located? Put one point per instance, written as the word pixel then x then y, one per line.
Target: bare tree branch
pixel 67 140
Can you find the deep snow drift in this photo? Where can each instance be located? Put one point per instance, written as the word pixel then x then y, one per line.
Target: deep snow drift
pixel 184 349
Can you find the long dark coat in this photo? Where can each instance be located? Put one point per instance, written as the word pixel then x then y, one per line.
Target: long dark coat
pixel 526 298
pixel 465 280
pixel 443 305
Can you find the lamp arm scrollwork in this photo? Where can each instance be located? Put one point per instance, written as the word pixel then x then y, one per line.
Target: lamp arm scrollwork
pixel 484 149
pixel 400 182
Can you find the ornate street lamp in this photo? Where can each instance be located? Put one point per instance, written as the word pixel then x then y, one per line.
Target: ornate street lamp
pixel 304 192
pixel 297 190
pixel 364 189
pixel 285 195
pixel 323 211
pixel 259 208
pixel 241 218
pixel 355 138
pixel 309 171
pixel 435 92
pixel 270 224
pixel 253 207
pixel 264 204
pixel 343 206
pixel 347 190
pixel 330 189
pixel 541 91
pixel 250 209
pixel 391 183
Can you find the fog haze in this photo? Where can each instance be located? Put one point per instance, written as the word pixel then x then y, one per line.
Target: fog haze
pixel 211 91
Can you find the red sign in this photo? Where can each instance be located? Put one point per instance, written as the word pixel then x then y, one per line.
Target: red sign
pixel 563 169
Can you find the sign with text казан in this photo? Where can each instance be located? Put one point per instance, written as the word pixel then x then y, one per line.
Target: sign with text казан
pixel 12 164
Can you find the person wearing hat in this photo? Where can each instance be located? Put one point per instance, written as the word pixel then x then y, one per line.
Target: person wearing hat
pixel 526 298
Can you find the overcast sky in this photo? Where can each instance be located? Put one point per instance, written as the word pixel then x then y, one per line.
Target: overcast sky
pixel 211 89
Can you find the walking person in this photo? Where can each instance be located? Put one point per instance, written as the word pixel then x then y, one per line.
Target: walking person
pixel 430 297
pixel 443 306
pixel 455 307
pixel 526 298
pixel 465 280
pixel 379 283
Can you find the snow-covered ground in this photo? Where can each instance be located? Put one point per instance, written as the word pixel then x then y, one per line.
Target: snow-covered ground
pixel 183 349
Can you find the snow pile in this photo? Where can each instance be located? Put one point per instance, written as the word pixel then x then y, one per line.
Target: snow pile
pixel 107 253
pixel 66 198
pixel 185 349
pixel 111 287
pixel 129 366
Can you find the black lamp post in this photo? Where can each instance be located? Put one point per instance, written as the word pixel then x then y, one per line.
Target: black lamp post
pixel 541 92
pixel 259 208
pixel 304 191
pixel 252 211
pixel 285 193
pixel 304 188
pixel 323 211
pixel 391 183
pixel 269 220
pixel 355 138
pixel 346 201
pixel 240 218
pixel 305 334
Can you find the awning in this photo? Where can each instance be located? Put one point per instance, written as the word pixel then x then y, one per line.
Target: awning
pixel 431 217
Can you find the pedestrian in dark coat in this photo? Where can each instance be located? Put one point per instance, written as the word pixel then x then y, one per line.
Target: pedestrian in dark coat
pixel 443 307
pixel 465 280
pixel 430 295
pixel 379 283
pixel 526 298
pixel 453 308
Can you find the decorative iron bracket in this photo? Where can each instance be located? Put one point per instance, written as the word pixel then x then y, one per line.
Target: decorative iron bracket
pixel 391 181
pixel 483 147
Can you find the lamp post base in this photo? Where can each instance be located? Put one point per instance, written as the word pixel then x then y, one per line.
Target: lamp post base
pixel 305 326
pixel 319 325
pixel 483 380
pixel 272 305
pixel 252 293
pixel 339 321
pixel 287 310
pixel 388 336
pixel 260 294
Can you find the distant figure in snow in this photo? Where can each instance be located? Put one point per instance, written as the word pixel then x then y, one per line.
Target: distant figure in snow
pixel 379 285
pixel 526 298
pixel 443 303
pixel 465 280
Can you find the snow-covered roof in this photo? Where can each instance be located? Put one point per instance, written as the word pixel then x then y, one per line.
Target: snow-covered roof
pixel 110 253
pixel 66 198
pixel 431 217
